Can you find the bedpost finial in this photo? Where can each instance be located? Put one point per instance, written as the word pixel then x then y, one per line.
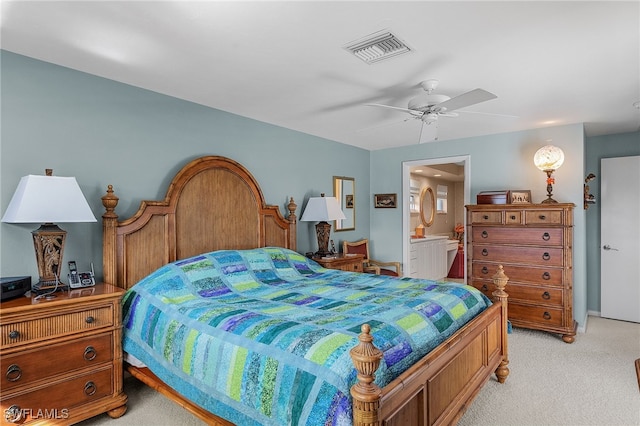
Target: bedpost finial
pixel 292 206
pixel 110 201
pixel 500 280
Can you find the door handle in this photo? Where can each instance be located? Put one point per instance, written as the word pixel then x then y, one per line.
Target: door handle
pixel 608 247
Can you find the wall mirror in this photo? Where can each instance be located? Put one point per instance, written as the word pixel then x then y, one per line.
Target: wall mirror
pixel 344 189
pixel 441 199
pixel 427 206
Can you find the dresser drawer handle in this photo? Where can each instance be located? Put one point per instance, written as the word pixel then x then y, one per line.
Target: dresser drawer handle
pixel 90 388
pixel 485 252
pixel 14 373
pixel 546 315
pixel 513 217
pixel 546 295
pixel 546 276
pixel 90 353
pixel 484 287
pixel 546 236
pixel 13 414
pixel 485 217
pixel 14 334
pixel 542 217
pixel 90 320
pixel 546 256
pixel 485 270
pixel 484 234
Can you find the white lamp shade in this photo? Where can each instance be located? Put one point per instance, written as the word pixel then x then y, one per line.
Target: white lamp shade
pixel 320 209
pixel 48 199
pixel 548 157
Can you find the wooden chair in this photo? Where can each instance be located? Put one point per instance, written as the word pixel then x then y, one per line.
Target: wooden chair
pixel 370 265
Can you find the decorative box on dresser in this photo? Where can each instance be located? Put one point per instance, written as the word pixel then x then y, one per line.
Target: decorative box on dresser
pixel 350 262
pixel 534 244
pixel 61 359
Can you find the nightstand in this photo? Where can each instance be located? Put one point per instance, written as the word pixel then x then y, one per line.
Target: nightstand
pixel 350 262
pixel 61 359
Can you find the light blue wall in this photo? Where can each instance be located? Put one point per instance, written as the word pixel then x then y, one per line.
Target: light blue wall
pixel 597 148
pixel 104 132
pixel 503 161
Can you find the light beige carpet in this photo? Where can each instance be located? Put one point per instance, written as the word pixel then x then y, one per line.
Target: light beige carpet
pixel 589 382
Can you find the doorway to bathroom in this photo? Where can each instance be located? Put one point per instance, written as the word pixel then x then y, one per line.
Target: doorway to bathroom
pixel 447 177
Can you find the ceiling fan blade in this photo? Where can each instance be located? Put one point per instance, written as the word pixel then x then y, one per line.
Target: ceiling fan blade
pixel 487 113
pixel 410 111
pixel 466 99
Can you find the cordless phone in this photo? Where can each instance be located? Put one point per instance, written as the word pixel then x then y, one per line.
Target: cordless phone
pixel 80 279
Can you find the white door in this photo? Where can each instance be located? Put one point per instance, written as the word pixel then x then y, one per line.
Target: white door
pixel 620 238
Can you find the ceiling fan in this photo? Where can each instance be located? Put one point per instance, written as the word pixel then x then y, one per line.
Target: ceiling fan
pixel 428 107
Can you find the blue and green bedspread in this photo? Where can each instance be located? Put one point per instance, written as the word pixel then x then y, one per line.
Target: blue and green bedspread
pixel 263 336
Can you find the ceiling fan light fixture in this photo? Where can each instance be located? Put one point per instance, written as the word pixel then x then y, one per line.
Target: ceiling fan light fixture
pixel 377 47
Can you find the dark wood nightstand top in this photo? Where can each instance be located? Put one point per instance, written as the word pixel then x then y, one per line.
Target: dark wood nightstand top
pixel 99 291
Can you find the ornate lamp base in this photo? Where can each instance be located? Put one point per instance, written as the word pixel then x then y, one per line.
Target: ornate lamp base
pixel 48 241
pixel 323 229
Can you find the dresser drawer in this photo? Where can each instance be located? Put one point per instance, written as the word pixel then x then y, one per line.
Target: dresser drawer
pixel 550 217
pixel 492 217
pixel 549 296
pixel 61 396
pixel 22 368
pixel 520 236
pixel 541 256
pixel 522 274
pixel 541 315
pixel 48 327
pixel 513 217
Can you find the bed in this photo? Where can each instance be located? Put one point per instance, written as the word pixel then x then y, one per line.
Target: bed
pixel 215 217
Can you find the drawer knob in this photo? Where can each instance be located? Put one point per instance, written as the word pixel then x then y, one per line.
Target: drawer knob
pixel 90 353
pixel 484 287
pixel 546 295
pixel 90 320
pixel 485 270
pixel 546 236
pixel 513 217
pixel 546 256
pixel 542 217
pixel 485 217
pixel 546 276
pixel 485 252
pixel 546 315
pixel 14 373
pixel 13 414
pixel 484 234
pixel 14 334
pixel 90 388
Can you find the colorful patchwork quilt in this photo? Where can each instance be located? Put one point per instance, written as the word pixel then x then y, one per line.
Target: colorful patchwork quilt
pixel 262 337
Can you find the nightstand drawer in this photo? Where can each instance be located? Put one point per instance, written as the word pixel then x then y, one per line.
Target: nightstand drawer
pixel 55 325
pixel 60 397
pixel 22 368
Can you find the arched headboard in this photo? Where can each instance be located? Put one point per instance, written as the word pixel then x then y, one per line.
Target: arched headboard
pixel 213 203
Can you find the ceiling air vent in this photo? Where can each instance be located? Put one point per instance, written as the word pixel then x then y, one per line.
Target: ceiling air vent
pixel 378 47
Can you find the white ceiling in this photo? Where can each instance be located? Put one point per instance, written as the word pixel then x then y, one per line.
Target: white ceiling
pixel 549 63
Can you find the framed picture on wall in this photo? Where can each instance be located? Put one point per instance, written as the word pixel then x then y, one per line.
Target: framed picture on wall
pixel 384 201
pixel 520 197
pixel 348 201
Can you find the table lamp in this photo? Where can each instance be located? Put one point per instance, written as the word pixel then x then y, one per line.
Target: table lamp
pixel 48 199
pixel 322 209
pixel 549 158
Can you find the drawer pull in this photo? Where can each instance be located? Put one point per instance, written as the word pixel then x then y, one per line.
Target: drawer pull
pixel 513 217
pixel 546 236
pixel 90 353
pixel 13 414
pixel 484 287
pixel 90 388
pixel 546 295
pixel 485 252
pixel 542 217
pixel 14 373
pixel 485 217
pixel 14 334
pixel 546 315
pixel 90 320
pixel 546 256
pixel 546 276
pixel 484 234
pixel 485 270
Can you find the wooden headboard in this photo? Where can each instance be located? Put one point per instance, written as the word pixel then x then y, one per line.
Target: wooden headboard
pixel 213 203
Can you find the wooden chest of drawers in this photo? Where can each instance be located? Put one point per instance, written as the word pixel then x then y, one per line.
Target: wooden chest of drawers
pixel 534 244
pixel 61 359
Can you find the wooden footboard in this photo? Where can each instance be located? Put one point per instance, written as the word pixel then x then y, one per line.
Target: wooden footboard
pixel 438 389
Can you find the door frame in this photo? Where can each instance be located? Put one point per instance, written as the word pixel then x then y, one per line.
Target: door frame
pixel 465 160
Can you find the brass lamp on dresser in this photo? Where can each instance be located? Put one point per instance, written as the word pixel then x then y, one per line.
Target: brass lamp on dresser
pixel 61 359
pixel 534 244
